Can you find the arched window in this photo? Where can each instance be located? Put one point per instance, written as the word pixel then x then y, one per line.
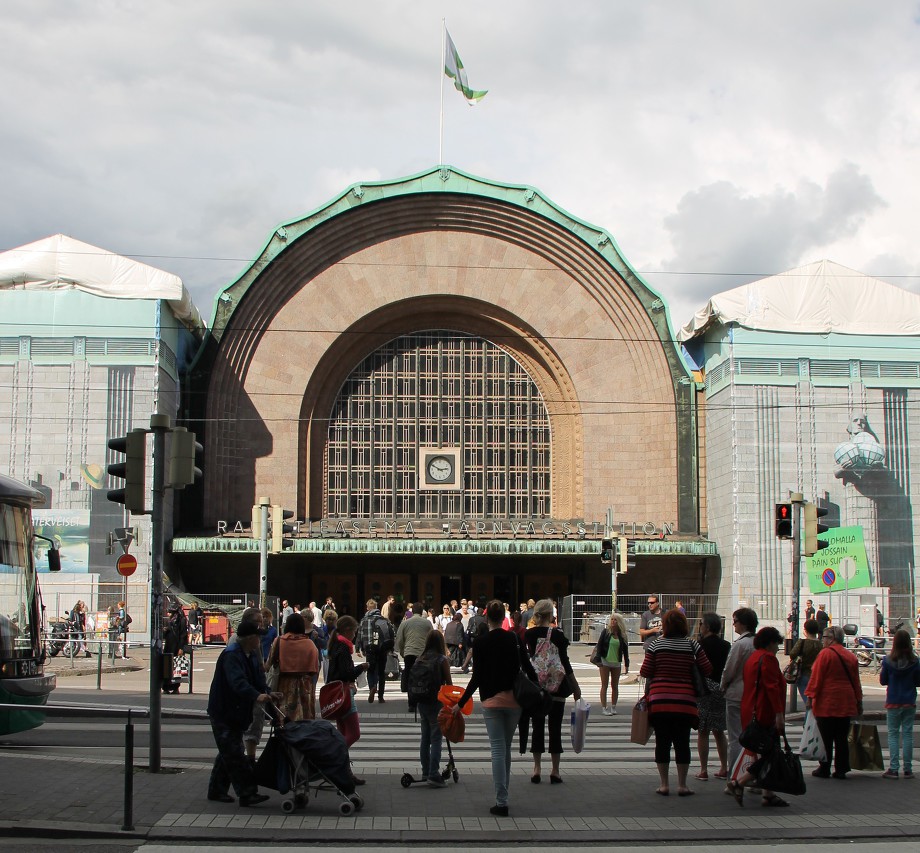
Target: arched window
pixel 438 389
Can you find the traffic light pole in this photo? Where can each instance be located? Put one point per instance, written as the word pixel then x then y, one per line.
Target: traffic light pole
pixel 159 426
pixel 797 500
pixel 263 551
pixel 614 563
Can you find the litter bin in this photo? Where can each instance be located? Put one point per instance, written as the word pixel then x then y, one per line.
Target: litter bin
pixel 216 628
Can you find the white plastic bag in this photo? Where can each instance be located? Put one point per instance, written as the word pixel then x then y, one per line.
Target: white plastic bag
pixel 579 724
pixel 361 680
pixel 812 744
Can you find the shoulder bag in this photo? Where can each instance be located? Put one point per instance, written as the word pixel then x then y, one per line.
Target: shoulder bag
pixel 530 696
pixel 700 685
pixel 334 700
pixel 756 737
pixel 792 671
pixel 640 730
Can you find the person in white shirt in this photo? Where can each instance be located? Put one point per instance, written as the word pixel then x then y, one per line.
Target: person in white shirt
pixel 317 614
pixel 443 619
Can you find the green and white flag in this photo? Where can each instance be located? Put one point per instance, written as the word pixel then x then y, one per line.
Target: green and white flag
pixel 453 68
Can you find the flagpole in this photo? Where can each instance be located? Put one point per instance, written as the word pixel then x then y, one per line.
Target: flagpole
pixel 441 86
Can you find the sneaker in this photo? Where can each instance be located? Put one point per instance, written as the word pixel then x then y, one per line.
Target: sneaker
pixel 613 712
pixel 908 774
pixel 436 782
pixel 607 711
pixel 890 774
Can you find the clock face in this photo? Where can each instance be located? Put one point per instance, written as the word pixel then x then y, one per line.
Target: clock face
pixel 440 468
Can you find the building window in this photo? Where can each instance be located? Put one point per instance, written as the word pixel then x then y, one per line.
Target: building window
pixel 438 389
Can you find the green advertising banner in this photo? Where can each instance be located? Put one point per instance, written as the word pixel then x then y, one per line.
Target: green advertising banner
pixel 826 570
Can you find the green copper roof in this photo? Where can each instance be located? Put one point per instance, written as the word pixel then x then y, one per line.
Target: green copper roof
pixel 440 179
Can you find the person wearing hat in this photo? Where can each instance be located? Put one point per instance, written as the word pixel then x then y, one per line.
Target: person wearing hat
pixel 237 685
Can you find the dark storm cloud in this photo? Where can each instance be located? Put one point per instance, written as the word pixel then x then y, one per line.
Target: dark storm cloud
pixel 720 229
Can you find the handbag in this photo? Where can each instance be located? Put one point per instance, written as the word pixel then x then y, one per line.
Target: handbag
pixel 700 684
pixel 579 724
pixel 812 744
pixel 595 657
pixel 780 770
pixel 865 750
pixel 530 696
pixel 640 731
pixel 792 671
pixel 391 670
pixel 334 700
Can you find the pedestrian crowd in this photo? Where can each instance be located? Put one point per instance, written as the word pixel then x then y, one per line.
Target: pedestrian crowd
pixel 724 691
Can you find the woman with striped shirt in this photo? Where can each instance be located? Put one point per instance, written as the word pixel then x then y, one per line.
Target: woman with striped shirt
pixel 668 667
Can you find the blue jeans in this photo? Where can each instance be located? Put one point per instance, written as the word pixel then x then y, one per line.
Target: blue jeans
pixel 802 683
pixel 429 750
pixel 901 729
pixel 500 725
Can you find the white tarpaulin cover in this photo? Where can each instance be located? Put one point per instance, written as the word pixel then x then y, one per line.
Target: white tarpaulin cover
pixel 60 262
pixel 818 298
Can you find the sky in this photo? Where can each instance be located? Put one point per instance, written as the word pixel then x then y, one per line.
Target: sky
pixel 717 141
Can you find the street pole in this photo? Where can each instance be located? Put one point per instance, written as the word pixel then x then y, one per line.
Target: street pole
pixel 264 504
pixel 614 562
pixel 797 500
pixel 159 426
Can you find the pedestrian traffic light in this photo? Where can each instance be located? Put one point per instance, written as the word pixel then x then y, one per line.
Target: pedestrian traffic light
pixel 606 551
pixel 184 458
pixel 132 470
pixel 257 532
pixel 623 556
pixel 784 521
pixel 812 528
pixel 279 529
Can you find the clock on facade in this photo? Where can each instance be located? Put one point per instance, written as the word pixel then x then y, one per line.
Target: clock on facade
pixel 439 468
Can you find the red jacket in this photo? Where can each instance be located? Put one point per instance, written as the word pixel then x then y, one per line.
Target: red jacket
pixel 834 687
pixel 764 696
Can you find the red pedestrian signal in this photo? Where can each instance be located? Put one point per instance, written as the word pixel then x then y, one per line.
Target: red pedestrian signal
pixel 784 521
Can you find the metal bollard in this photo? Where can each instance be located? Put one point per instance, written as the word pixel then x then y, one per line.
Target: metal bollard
pixel 99 670
pixel 191 667
pixel 128 824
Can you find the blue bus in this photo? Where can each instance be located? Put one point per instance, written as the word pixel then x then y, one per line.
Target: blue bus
pixel 22 653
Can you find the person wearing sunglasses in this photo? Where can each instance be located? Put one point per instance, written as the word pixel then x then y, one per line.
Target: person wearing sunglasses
pixel 650 624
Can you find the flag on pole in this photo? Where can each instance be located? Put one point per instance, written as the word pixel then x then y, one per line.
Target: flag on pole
pixel 453 68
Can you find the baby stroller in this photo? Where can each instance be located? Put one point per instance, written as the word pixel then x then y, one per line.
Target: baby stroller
pixel 307 755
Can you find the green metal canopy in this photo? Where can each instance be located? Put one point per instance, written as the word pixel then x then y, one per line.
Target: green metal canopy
pixel 464 547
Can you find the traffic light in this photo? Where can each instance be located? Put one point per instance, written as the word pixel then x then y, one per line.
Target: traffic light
pixel 257 531
pixel 184 458
pixel 606 551
pixel 623 555
pixel 784 521
pixel 812 528
pixel 132 470
pixel 279 529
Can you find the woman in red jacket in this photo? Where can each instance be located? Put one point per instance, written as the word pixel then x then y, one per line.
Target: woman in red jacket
pixel 834 695
pixel 764 699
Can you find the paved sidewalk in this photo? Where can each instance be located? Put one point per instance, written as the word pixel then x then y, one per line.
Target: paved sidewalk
pixel 607 797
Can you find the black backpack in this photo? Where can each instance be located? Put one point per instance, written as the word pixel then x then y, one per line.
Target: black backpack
pixel 424 679
pixel 478 627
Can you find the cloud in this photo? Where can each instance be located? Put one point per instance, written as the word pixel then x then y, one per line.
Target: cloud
pixel 723 237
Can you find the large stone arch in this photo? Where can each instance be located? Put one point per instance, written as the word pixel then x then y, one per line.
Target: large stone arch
pixel 491 260
pixel 454 313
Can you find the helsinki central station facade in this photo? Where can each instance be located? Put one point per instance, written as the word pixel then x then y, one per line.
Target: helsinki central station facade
pixel 450 381
pixel 460 389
